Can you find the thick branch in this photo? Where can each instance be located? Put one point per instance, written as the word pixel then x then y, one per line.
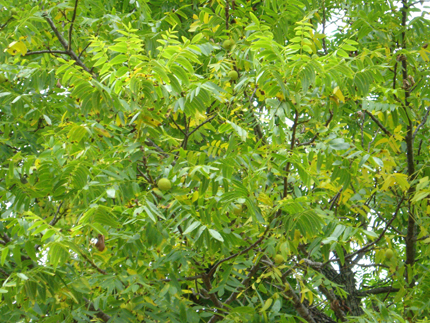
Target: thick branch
pixel 340 314
pixel 212 296
pixel 298 305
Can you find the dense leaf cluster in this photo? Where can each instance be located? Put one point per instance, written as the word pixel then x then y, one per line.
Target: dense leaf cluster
pixel 293 134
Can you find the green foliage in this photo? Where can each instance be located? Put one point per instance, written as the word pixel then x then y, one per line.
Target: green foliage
pixel 204 161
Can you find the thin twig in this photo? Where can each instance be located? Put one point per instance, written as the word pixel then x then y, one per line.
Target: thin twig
pixel 380 125
pixel 202 124
pixel 191 278
pixel 373 139
pixel 65 45
pixel 423 122
pixel 93 264
pixel 179 128
pixel 367 247
pixel 293 141
pixel 48 51
pixel 55 220
pixel 214 267
pixel 307 143
pixel 71 25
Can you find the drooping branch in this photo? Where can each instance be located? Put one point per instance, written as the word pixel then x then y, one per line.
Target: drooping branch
pixel 380 125
pixel 93 264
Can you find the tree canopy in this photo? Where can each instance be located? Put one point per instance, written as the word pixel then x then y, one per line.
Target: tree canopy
pixel 290 138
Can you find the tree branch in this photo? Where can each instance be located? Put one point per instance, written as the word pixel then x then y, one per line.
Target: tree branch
pixel 101 315
pixel 380 125
pixel 202 124
pixel 93 264
pixel 214 267
pixel 367 247
pixel 48 51
pixel 293 140
pixel 55 219
pixel 379 290
pixel 71 25
pixel 423 122
pixel 307 143
pixel 65 45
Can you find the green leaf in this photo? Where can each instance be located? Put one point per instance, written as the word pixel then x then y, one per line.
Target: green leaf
pixel 216 235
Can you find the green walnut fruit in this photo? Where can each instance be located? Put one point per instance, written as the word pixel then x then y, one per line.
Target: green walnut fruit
pixel 164 184
pixel 2 79
pixel 233 75
pixel 278 259
pixel 228 44
pixel 13 12
pixel 237 209
pixel 389 254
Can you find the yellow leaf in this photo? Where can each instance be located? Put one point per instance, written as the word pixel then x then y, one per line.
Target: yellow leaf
pixel 264 198
pixel 195 196
pixel 206 18
pixel 402 180
pixel 267 304
pixel 388 182
pixel 382 141
pixel 150 121
pixel 338 94
pixel 423 54
pixel 16 47
pixel 58 16
pixel 310 297
pixel 149 300
pixel 103 132
pixel 131 271
pixel 280 96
